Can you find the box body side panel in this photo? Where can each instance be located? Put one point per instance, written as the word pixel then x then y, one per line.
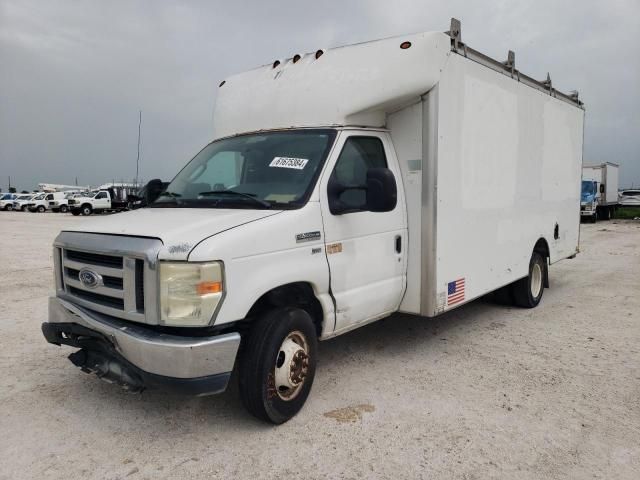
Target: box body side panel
pixel 509 162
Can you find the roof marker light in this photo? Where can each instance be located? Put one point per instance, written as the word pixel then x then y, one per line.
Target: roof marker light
pixel 222 83
pixel 405 45
pixel 319 53
pixel 296 57
pixel 276 63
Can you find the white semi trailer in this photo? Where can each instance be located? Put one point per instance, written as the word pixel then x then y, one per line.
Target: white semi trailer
pixel 599 191
pixel 412 174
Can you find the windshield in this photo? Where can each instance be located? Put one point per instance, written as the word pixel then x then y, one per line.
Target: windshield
pixel 261 170
pixel 39 197
pixel 630 193
pixel 587 187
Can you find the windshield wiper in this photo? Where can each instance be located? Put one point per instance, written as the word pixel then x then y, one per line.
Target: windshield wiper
pixel 250 196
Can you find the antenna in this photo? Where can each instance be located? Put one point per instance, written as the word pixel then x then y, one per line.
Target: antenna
pixel 138 157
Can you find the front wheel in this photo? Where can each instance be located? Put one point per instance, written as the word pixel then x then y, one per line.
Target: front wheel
pixel 86 210
pixel 527 292
pixel 41 209
pixel 8 208
pixel 278 364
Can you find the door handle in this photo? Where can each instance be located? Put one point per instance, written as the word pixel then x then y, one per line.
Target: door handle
pixel 398 243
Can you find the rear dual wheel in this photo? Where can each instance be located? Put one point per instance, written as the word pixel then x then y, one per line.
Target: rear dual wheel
pixel 278 363
pixel 527 292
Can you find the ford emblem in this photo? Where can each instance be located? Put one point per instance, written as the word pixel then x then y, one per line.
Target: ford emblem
pixel 89 278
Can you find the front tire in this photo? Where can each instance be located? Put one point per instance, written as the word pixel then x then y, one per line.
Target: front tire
pixel 278 364
pixel 8 208
pixel 527 292
pixel 41 209
pixel 86 210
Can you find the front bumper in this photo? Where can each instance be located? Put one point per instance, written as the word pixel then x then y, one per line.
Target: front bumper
pixel 136 357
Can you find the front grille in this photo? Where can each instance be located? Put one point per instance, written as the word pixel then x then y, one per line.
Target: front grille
pixel 94 258
pixel 120 287
pixel 93 297
pixel 107 281
pixel 140 285
pixel 119 274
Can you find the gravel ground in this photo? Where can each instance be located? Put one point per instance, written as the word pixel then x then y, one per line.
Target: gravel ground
pixel 485 391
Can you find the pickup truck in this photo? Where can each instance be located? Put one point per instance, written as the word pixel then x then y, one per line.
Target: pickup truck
pixel 98 202
pixel 412 174
pixel 21 201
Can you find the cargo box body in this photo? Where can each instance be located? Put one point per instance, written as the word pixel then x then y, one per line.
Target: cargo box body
pixel 490 167
pixel 605 174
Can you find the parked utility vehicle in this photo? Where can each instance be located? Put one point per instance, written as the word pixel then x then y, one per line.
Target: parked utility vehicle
pixel 47 201
pixel 6 201
pixel 411 174
pixel 98 202
pixel 599 191
pixel 629 198
pixel 21 201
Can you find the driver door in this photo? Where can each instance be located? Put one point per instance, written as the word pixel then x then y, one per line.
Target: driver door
pixel 366 251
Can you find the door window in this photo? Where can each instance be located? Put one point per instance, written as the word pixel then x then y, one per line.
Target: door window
pixel 101 195
pixel 358 155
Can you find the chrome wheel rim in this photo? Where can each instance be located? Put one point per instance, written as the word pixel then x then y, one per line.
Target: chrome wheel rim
pixel 291 366
pixel 536 280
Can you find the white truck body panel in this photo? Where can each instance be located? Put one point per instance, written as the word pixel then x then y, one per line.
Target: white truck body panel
pixel 353 85
pixel 605 174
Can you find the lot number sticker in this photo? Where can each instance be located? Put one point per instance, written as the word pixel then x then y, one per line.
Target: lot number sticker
pixel 289 162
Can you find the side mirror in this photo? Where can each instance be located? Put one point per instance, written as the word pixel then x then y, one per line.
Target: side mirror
pixel 382 191
pixel 602 188
pixel 153 190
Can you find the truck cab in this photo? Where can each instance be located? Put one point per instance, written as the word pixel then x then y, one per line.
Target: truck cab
pixel 589 200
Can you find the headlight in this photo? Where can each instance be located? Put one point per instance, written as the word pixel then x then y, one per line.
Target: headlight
pixel 189 292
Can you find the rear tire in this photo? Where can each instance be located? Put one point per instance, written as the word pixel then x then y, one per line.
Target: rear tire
pixel 527 292
pixel 281 347
pixel 23 208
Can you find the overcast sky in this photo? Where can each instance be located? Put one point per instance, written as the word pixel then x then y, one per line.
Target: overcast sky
pixel 73 74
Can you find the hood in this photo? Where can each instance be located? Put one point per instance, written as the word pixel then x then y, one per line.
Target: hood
pixel 180 229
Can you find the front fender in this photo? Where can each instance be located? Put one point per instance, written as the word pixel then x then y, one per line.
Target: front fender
pixel 268 253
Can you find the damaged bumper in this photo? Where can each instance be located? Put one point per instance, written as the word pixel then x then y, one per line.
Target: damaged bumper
pixel 136 357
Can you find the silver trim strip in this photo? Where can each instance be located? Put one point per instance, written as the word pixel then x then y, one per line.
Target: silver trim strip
pixel 108 271
pixel 102 290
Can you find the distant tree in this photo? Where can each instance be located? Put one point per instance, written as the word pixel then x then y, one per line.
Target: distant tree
pixel 12 189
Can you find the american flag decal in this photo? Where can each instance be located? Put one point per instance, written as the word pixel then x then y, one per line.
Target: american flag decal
pixel 455 291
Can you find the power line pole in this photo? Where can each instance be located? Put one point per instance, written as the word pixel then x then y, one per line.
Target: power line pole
pixel 138 158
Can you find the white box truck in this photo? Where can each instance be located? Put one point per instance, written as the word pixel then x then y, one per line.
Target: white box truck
pixel 599 198
pixel 411 174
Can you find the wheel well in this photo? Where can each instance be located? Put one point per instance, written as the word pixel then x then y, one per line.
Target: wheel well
pixel 87 205
pixel 298 294
pixel 542 247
